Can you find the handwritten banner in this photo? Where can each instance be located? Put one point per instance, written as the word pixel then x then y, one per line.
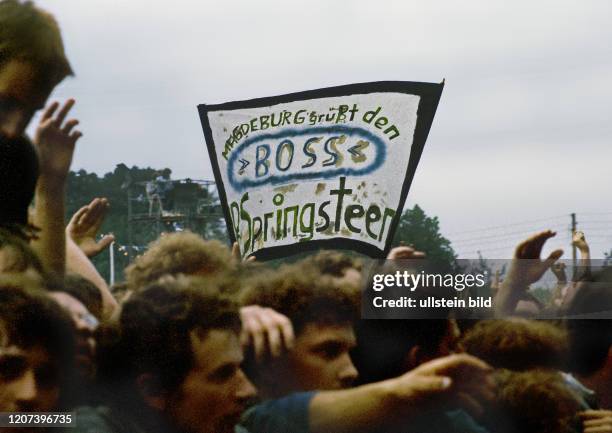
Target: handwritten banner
pixel 327 168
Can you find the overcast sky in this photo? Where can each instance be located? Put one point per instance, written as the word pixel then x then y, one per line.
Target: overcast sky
pixel 522 132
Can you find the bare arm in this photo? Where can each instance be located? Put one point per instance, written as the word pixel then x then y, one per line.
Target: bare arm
pixel 581 274
pixel 580 242
pixel 461 379
pixel 78 263
pixel 48 217
pixel 55 143
pixel 558 269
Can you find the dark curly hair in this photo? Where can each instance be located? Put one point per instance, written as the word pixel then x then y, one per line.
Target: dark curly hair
pixel 153 333
pixel 29 318
pixel 534 401
pixel 305 296
pixel 383 345
pixel 518 344
pixel 178 253
pixel 332 263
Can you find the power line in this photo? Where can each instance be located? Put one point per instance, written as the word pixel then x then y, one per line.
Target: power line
pixel 502 236
pixel 508 225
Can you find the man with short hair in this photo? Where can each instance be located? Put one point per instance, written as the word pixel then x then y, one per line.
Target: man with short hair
pixel 177 363
pixel 322 313
pixel 32 63
pixel 37 348
pixel 85 325
pixel 176 368
pixel 389 348
pixel 189 254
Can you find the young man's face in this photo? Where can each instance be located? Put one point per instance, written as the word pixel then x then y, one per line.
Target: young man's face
pixel 28 380
pixel 20 97
pixel 216 391
pixel 85 325
pixel 320 358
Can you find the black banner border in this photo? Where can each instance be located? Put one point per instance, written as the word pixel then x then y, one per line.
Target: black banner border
pixel 429 94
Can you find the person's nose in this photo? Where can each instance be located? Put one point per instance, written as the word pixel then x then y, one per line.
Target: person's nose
pixel 348 373
pixel 246 390
pixel 26 390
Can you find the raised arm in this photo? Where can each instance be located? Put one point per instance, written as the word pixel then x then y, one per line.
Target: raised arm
pixel 55 141
pixel 84 225
pixel 558 269
pixel 81 244
pixel 584 267
pixel 457 381
pixel 526 268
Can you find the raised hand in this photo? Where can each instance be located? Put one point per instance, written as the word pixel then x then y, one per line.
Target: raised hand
pixel 457 379
pixel 559 270
pixel 55 140
pixel 405 253
pixel 452 382
pixel 84 225
pixel 579 241
pixel 527 267
pixel 596 421
pixel 236 254
pixel 269 332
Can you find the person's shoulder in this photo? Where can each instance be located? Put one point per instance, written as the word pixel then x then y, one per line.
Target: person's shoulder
pixel 284 415
pixel 460 421
pixel 98 419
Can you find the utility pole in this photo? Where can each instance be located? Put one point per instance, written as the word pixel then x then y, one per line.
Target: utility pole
pixel 572 240
pixel 129 227
pixel 111 251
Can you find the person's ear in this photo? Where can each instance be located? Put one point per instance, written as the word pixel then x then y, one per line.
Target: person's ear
pixel 151 392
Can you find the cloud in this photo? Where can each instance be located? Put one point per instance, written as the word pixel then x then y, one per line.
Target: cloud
pixel 524 115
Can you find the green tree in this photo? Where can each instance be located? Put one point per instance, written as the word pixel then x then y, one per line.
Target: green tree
pixel 423 233
pixel 84 187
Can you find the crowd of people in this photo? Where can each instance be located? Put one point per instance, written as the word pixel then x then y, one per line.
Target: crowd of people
pixel 196 340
